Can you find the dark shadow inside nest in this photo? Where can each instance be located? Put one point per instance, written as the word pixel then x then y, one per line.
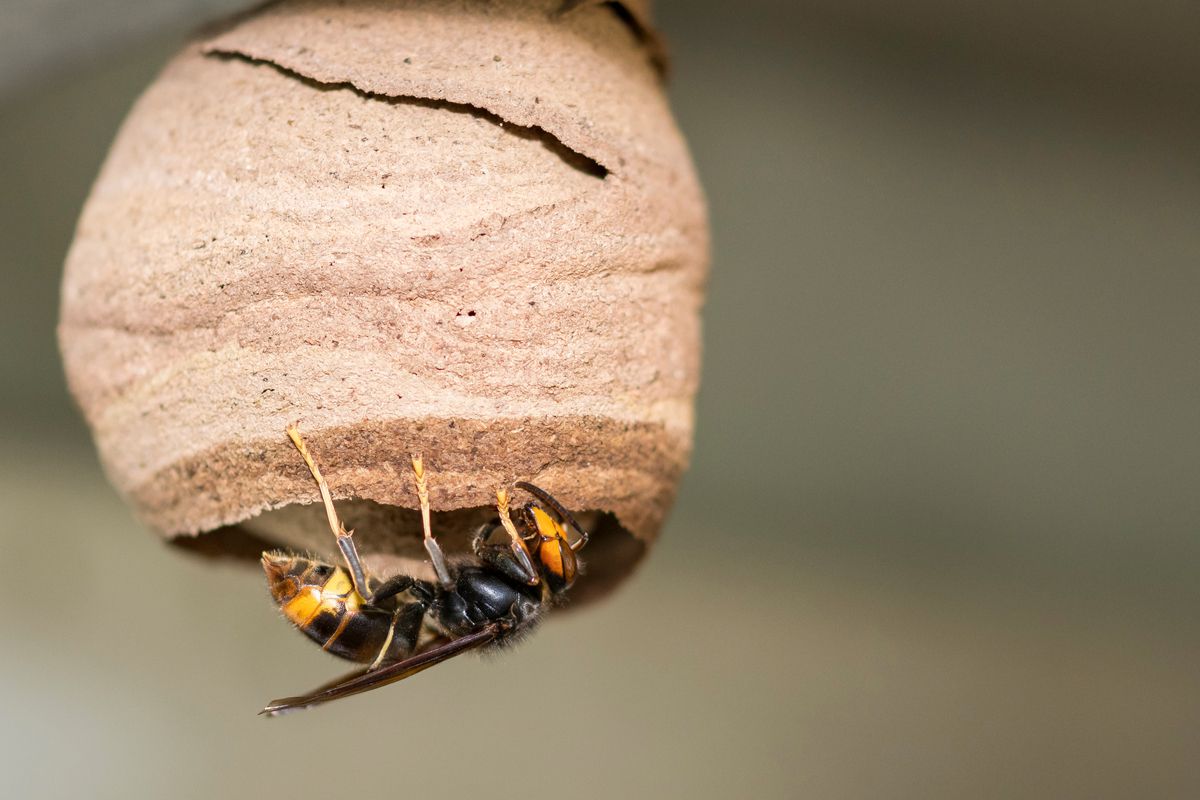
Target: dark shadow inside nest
pixel 390 540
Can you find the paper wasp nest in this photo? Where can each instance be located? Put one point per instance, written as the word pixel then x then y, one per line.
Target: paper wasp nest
pixel 465 229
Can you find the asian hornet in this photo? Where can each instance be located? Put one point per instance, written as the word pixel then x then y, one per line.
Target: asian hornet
pixel 520 565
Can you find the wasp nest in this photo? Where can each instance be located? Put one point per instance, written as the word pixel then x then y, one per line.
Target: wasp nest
pixel 469 230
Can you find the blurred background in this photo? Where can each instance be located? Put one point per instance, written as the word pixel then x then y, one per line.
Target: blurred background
pixel 942 533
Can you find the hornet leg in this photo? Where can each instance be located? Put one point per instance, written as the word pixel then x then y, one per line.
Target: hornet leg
pixel 520 551
pixel 345 538
pixel 431 545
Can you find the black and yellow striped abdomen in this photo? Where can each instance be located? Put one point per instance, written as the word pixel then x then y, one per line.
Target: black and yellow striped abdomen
pixel 320 600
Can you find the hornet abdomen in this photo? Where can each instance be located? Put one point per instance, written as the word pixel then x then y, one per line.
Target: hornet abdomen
pixel 320 600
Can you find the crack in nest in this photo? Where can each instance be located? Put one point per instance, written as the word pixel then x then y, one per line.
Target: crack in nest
pixel 572 158
pixel 639 25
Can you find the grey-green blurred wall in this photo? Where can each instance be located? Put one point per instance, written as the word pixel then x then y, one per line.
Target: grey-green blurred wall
pixel 942 533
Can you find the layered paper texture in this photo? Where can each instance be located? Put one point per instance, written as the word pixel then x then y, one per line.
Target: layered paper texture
pixel 465 229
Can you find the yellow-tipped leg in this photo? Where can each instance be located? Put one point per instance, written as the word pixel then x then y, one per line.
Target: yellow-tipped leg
pixel 519 549
pixel 418 466
pixel 431 545
pixel 345 538
pixel 335 524
pixel 505 519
